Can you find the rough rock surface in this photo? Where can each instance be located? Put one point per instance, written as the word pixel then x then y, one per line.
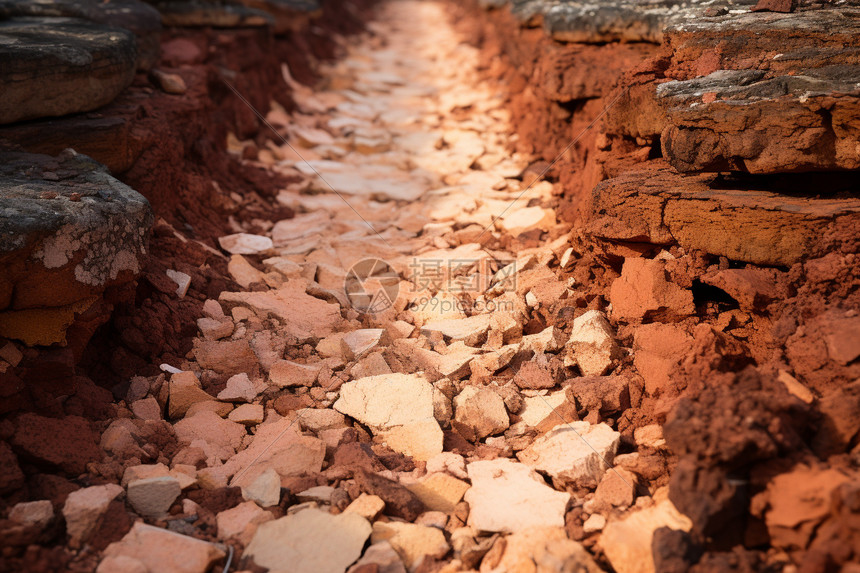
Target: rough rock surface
pixel 529 501
pixel 68 232
pixel 293 543
pixel 80 66
pixel 575 454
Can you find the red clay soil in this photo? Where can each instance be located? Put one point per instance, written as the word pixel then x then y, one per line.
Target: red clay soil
pixel 188 176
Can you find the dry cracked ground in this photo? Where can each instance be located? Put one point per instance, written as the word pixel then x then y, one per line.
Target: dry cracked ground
pixel 425 369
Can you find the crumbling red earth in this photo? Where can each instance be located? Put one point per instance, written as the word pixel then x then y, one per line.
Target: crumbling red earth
pixel 639 351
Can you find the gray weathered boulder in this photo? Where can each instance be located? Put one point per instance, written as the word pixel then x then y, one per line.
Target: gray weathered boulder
pixel 133 15
pixel 56 66
pixel 68 232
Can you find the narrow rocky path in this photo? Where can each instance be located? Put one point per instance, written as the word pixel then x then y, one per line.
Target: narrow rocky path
pixel 390 395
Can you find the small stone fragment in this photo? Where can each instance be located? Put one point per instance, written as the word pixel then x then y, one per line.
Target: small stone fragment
pixel 480 413
pixel 241 522
pixel 247 414
pixel 412 542
pixel 366 505
pixel 265 490
pixel 183 391
pixel 239 388
pixel 592 345
pixel 182 280
pixel 439 491
pixel 245 244
pixel 38 514
pixel 152 497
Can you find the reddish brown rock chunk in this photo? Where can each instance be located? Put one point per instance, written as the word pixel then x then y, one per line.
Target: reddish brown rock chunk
pixel 399 501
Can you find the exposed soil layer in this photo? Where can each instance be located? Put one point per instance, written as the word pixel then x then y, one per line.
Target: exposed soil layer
pixel 774 286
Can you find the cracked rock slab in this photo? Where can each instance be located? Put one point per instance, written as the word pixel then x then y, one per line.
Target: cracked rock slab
pixel 721 217
pixel 310 541
pixel 507 496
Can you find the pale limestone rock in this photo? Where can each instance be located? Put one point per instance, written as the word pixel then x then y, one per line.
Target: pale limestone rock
pixel 507 496
pixel 373 364
pixel 400 329
pixel 302 316
pixel 38 514
pixel 319 494
pixel 592 344
pixel 240 388
pixel 152 497
pixel 247 414
pixel 359 342
pixel 182 280
pixel 480 412
pixel 576 454
pixel 471 330
pixel 383 556
pixel 386 401
pixel 497 359
pixel 627 541
pixel 288 374
pixel 293 544
pixel 245 244
pixel 158 549
pixel 84 507
pixel 439 491
pixel 143 471
pixel 331 346
pixel 398 408
pixel 449 462
pixel 220 408
pixel 366 505
pixel 650 436
pixel 121 564
pixel 420 439
pixel 212 309
pixel 412 542
pixel 265 490
pixel 537 408
pixel 594 523
pixel 241 522
pixel 550 339
pixel 186 475
pixel 518 221
pixel 212 429
pixel 542 549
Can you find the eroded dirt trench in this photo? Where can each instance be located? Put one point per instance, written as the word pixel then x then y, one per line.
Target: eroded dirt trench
pixel 429 369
